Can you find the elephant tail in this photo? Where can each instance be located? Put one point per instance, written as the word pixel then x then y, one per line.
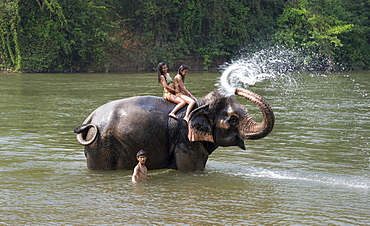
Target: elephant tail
pixel 86 133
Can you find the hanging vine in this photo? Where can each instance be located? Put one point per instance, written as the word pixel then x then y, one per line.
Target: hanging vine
pixel 9 26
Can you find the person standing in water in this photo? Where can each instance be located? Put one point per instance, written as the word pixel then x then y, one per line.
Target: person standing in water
pixel 182 92
pixel 169 89
pixel 140 170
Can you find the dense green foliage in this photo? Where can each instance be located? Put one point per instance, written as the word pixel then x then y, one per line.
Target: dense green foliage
pixel 51 35
pixel 95 35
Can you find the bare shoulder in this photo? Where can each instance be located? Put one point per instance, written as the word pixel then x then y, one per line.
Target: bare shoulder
pixel 137 168
pixel 178 78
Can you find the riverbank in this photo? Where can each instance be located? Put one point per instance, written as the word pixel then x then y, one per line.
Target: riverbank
pixel 121 63
pixel 124 64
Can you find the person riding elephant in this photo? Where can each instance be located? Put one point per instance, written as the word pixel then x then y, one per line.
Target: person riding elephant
pixel 182 92
pixel 113 133
pixel 169 89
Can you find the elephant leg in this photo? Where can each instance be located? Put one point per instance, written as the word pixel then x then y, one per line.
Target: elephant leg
pixel 190 160
pixel 109 154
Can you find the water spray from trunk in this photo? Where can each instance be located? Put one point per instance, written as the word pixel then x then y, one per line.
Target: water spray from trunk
pixel 269 63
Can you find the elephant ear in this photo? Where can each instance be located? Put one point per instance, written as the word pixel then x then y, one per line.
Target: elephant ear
pixel 199 125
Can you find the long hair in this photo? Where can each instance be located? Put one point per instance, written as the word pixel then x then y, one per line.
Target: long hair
pixel 181 69
pixel 160 72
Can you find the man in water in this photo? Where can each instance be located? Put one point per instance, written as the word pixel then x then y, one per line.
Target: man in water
pixel 140 170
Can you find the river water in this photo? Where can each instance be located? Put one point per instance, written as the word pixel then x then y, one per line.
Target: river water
pixel 313 169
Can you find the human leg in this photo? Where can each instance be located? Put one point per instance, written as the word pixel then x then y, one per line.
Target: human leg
pixel 180 104
pixel 191 104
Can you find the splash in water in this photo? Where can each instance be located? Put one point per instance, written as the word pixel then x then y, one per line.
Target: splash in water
pixel 270 63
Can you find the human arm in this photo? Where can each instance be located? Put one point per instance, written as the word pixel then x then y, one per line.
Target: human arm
pixel 170 88
pixel 135 175
pixel 191 95
pixel 181 87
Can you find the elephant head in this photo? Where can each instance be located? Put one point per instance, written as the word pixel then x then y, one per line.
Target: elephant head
pixel 220 119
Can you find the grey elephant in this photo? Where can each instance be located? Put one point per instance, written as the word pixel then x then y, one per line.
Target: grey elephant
pixel 113 133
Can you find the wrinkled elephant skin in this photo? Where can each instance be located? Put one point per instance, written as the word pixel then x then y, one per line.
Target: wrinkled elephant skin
pixel 116 131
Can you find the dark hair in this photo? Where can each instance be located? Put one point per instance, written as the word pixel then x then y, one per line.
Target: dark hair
pixel 160 72
pixel 140 153
pixel 181 69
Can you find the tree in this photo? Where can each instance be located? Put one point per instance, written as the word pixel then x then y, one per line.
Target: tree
pixel 10 54
pixel 52 35
pixel 305 26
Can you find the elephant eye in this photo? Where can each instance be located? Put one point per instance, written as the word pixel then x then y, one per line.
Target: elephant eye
pixel 233 120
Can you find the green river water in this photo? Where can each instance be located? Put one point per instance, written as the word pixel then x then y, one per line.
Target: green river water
pixel 313 169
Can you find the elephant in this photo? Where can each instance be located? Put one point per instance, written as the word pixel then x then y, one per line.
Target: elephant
pixel 113 133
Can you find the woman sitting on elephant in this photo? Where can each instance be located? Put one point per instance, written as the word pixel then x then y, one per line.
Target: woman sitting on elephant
pixel 169 89
pixel 180 89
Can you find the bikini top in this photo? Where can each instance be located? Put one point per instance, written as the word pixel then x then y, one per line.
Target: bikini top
pixel 168 81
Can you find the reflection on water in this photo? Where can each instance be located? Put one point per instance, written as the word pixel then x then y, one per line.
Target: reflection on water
pixel 313 169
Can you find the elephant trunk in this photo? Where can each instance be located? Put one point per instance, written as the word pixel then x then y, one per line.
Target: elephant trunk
pixel 249 128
